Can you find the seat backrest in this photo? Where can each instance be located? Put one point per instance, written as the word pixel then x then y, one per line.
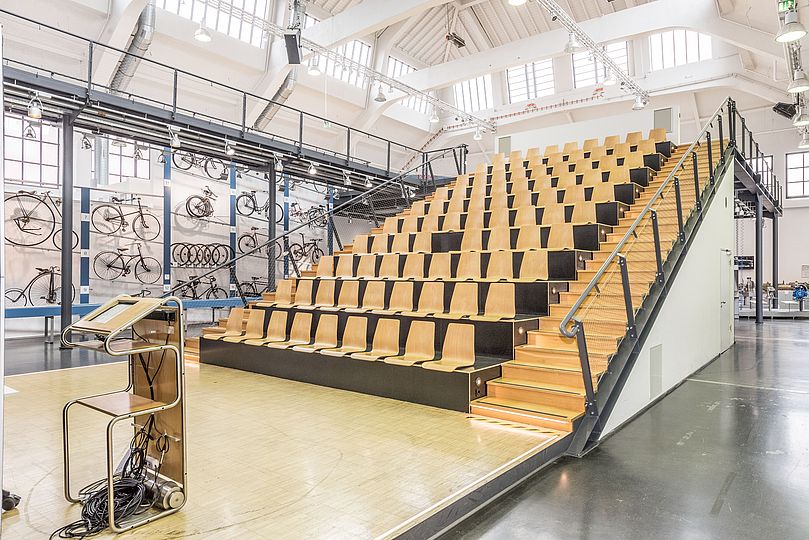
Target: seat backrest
pixel 391 225
pixel 548 196
pixel 521 199
pixel 389 268
pixel 459 345
pixel 501 265
pixel 379 243
pixel 301 326
pixel 515 158
pixel 439 266
pixel 472 240
pixel 597 152
pixel 634 161
pixel 499 238
pixel 611 141
pixel 584 212
pixel 418 208
pixel 410 224
pixel 500 300
pixel 658 135
pixel 574 194
pixel 570 147
pixel 551 149
pixel 235 320
pixel 423 241
pixel 526 215
pixel 401 243
pixel 474 218
pixel 589 144
pixel 285 292
pixel 367 266
pixel 561 236
pixel 499 217
pixel 556 157
pixel 360 244
pixel 277 328
pixel 345 266
pixel 532 152
pixel 303 293
pixel 574 156
pixel 468 265
pixel 414 266
pixel 386 336
pixel 355 334
pixel 436 208
pixel 374 296
pixel 326 332
pixel 349 294
pixel 429 224
pixel 603 192
pixel 553 213
pixel 325 292
pixel 607 163
pixel 622 149
pixel 592 177
pixel 421 339
pixel 325 267
pixel 401 298
pixel 634 137
pixel 566 179
pixel 431 298
pixel 646 147
pixel 529 237
pixel 534 265
pixel 464 299
pixel 452 221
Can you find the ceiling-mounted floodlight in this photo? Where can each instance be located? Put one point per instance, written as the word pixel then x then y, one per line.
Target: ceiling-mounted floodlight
pixel 792 30
pixel 639 104
pixel 138 152
pixel 118 143
pixel 478 135
pixel 174 137
pixel 230 148
pixel 202 34
pixel 35 107
pixel 85 142
pixel 434 117
pixel 161 158
pixel 573 44
pixel 312 168
pixel 314 67
pixel 799 82
pixel 380 95
pixel 29 132
pixel 804 144
pixel 346 178
pixel 368 183
pixel 279 167
pixel 801 119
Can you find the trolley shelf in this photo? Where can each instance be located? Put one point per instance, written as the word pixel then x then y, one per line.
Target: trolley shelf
pixel 120 403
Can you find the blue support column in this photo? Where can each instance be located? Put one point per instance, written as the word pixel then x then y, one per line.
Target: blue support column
pixel 232 212
pixel 286 224
pixel 84 247
pixel 329 228
pixel 167 220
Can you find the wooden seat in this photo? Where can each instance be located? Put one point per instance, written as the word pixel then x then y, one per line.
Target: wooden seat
pixel 284 294
pixel 420 345
pixel 367 266
pixel 410 224
pixel 276 329
pixel 458 351
pixel 325 268
pixel 389 267
pixel 300 334
pixel 253 330
pixel 561 236
pixel 345 266
pixel 325 335
pixel 468 266
pixel 401 299
pixel 452 221
pixel 634 137
pixel 386 341
pixel 592 177
pixel 464 302
pixel 499 238
pixel 500 303
pixel 372 298
pixel 622 149
pixel 551 149
pixel 414 266
pixel 234 324
pixel 552 213
pixel 349 296
pixel 324 295
pixel 522 199
pixel 658 135
pixel 574 194
pixel 355 338
pixel 379 244
pixel 534 266
pixel 611 140
pixel 501 266
pixel 529 237
pixel 440 264
pixel 526 215
pixel 589 144
pixel 472 239
pixel 423 241
pixel 499 218
pixel 584 212
pixel 431 300
pixel 474 218
pixel 360 244
pixel 570 147
pixel 401 243
pixel 391 225
pixel 634 161
pixel 603 192
pixel 428 224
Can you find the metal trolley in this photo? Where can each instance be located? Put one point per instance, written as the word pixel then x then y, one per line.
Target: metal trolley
pixel 156 326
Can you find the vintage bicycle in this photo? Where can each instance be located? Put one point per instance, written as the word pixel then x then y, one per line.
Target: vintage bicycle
pixel 213 167
pixel 315 216
pixel 201 206
pixel 44 289
pixel 31 218
pixel 306 249
pixel 247 205
pixel 110 218
pixel 192 289
pixel 111 265
pixel 249 241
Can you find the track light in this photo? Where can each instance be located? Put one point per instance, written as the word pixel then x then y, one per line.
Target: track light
pixel 29 132
pixel 792 30
pixel 368 183
pixel 202 34
pixel 279 167
pixel 346 178
pixel 478 134
pixel 804 144
pixel 801 119
pixel 434 117
pixel 380 95
pixel 314 67
pixel 609 78
pixel 118 143
pixel 639 104
pixel 85 143
pixel 312 168
pixel 230 149
pixel 799 82
pixel 174 137
pixel 138 152
pixel 35 107
pixel 573 45
pixel 516 2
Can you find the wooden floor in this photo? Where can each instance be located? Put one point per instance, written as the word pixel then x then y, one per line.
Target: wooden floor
pixel 268 458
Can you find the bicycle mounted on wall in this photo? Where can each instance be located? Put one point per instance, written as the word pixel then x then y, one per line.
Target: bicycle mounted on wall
pixel 31 219
pixel 110 218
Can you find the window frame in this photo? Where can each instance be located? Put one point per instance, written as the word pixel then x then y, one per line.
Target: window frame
pixel 397 68
pixel 224 21
pixel 804 182
pixel 473 99
pixel 27 164
pixel 678 47
pixel 598 70
pixel 532 76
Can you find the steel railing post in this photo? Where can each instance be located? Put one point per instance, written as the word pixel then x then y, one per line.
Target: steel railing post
pixel 387 162
pixel 587 376
pixel 658 254
pixel 630 312
pixel 710 156
pixel 300 133
pixel 681 231
pixel 174 95
pixel 89 70
pixel 348 145
pixel 244 113
pixel 696 182
pixel 373 212
pixel 721 139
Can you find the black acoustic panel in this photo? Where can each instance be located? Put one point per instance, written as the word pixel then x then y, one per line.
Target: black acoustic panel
pixel 653 161
pixel 639 176
pixel 665 148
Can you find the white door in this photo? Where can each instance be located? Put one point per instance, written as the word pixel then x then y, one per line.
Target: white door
pixel 726 333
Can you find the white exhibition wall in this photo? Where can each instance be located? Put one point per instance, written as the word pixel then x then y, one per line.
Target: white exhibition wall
pixel 666 358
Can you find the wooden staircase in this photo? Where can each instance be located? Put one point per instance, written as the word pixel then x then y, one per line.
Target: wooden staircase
pixel 543 386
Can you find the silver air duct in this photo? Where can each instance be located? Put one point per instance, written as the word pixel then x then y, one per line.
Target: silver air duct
pixel 138 45
pixel 283 93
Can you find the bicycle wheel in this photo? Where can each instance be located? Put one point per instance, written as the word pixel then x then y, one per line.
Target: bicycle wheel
pixel 296 251
pixel 214 168
pixel 28 220
pixel 175 252
pixel 148 270
pixel 279 213
pixel 182 159
pixel 16 298
pixel 107 219
pixel 40 292
pixel 246 243
pixel 245 204
pixel 317 253
pixel 184 254
pixel 197 206
pixel 57 239
pixel 146 227
pixel 223 253
pixel 205 255
pixel 108 265
pixel 317 217
pixel 249 289
pixel 216 293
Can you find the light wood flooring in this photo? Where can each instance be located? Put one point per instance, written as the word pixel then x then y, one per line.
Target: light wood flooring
pixel 268 458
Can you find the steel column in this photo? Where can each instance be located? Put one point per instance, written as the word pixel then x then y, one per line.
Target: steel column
pixel 67 224
pixel 167 219
pixel 587 376
pixel 630 311
pixel 286 225
pixel 272 217
pixel 759 258
pixel 330 223
pixel 775 258
pixel 232 221
pixel 658 254
pixel 84 247
pixel 681 231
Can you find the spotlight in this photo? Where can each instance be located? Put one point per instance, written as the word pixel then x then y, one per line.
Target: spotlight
pixel 802 119
pixel 516 2
pixel 639 104
pixel 573 45
pixel 85 143
pixel 478 135
pixel 390 89
pixel 368 183
pixel 118 143
pixel 174 137
pixel 161 158
pixel 799 83
pixel 138 152
pixel 314 67
pixel 230 148
pixel 610 79
pixel 380 95
pixel 202 34
pixel 804 144
pixel 347 178
pixel 279 167
pixel 35 107
pixel 312 168
pixel 29 132
pixel 792 30
pixel 434 118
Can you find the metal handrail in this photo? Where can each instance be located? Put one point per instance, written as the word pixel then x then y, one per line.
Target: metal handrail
pixel 396 180
pixel 563 326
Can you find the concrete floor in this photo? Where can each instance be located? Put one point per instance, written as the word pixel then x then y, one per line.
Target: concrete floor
pixel 725 455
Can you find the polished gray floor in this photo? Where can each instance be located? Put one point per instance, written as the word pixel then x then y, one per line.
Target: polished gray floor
pixel 725 455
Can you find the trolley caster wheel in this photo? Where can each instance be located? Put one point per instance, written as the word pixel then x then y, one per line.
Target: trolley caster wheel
pixel 10 501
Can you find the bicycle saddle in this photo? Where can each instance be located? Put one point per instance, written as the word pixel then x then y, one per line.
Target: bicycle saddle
pixel 43 270
pixel 116 199
pixel 254 228
pixel 192 277
pixel 27 192
pixel 123 249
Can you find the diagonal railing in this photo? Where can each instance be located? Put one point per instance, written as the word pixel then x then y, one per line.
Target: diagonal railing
pixel 609 302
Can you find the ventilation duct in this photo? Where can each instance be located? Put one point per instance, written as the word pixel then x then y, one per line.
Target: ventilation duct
pixel 283 93
pixel 138 45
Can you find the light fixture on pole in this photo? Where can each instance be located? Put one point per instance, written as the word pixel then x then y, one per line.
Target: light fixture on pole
pixel 29 132
pixel 801 119
pixel 573 45
pixel 347 178
pixel 799 82
pixel 478 134
pixel 368 182
pixel 792 30
pixel 174 137
pixel 380 95
pixel 202 34
pixel 85 142
pixel 138 152
pixel 639 104
pixel 312 168
pixel 279 167
pixel 434 117
pixel 35 107
pixel 314 67
pixel 230 148
pixel 804 144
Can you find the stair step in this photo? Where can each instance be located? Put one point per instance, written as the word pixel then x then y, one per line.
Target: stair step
pixel 554 376
pixel 550 339
pixel 536 394
pixel 526 413
pixel 540 356
pixel 600 322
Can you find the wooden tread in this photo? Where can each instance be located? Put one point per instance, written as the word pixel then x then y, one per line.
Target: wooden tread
pixel 526 413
